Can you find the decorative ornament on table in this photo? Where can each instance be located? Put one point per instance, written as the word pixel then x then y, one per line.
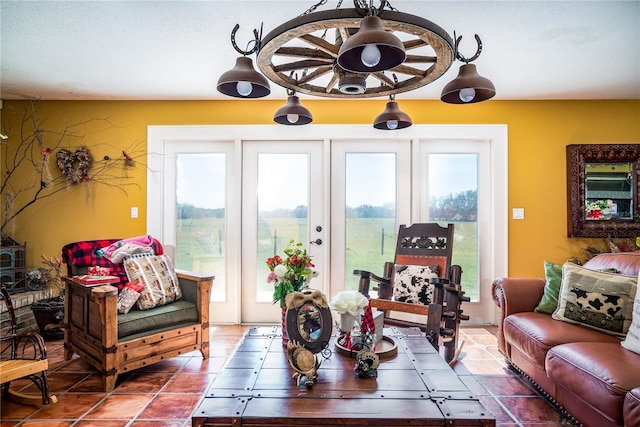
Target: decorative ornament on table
pixel 309 327
pixel 352 306
pixel 291 274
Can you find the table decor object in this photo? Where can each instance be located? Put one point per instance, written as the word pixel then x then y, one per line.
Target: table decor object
pixel 289 274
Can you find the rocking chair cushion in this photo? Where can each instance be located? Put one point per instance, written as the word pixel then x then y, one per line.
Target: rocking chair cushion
pixel 159 278
pixel 411 283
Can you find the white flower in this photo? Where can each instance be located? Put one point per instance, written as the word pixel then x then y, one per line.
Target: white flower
pixel 352 302
pixel 280 271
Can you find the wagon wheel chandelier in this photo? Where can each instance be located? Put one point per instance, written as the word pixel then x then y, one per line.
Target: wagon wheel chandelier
pixel 362 52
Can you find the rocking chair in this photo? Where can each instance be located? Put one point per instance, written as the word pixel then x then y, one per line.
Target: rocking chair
pixel 23 356
pixel 422 281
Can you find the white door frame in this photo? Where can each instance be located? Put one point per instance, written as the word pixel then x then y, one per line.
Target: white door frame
pixel 158 136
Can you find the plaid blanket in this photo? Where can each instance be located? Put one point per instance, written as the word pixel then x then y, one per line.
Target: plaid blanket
pixel 83 254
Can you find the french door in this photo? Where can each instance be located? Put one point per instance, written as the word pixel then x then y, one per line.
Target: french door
pixel 230 197
pixel 283 201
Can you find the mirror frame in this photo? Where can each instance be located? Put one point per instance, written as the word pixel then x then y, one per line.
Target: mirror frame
pixel 577 156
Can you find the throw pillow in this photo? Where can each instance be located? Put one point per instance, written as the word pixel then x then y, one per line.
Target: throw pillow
pixel 159 278
pixel 632 340
pixel 128 297
pixel 411 283
pixel 597 300
pixel 553 276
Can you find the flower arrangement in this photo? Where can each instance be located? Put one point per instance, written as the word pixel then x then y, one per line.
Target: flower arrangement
pixel 291 274
pixel 351 302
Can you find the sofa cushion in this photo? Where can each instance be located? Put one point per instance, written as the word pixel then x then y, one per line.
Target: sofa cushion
pixel 159 278
pixel 175 314
pixel 553 279
pixel 631 409
pixel 627 263
pixel 535 333
pixel 600 374
pixel 597 300
pixel 411 283
pixel 632 340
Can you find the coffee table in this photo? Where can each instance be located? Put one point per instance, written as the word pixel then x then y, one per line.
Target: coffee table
pixel 414 387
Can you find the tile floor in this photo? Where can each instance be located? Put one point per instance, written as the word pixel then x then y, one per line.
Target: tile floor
pixel 165 394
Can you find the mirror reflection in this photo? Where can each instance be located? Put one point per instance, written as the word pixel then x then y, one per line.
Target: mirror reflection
pixel 609 191
pixel 310 322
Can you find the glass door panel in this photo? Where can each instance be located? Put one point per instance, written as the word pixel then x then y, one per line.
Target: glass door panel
pixel 370 197
pixel 283 199
pixel 370 213
pixel 453 198
pixel 200 217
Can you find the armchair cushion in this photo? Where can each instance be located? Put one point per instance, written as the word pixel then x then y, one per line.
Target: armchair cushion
pixel 155 319
pixel 159 278
pixel 411 283
pixel 596 300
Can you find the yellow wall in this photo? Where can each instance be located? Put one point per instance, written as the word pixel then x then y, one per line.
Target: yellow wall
pixel 538 134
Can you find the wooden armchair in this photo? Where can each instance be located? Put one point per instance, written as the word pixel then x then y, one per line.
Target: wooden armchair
pixel 23 356
pixel 119 343
pixel 426 249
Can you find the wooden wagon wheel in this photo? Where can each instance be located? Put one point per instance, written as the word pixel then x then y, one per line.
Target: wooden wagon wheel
pixel 301 54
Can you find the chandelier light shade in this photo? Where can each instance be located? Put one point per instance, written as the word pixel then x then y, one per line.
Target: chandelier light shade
pixel 392 117
pixel 293 113
pixel 243 81
pixel 371 49
pixel 468 87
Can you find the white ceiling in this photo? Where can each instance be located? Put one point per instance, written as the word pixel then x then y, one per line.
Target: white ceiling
pixel 176 50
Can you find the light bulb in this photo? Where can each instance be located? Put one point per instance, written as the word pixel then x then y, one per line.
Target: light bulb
pixel 392 124
pixel 244 88
pixel 467 94
pixel 370 55
pixel 292 118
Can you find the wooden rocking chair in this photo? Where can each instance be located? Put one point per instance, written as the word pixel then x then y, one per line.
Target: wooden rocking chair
pixel 23 356
pixel 427 248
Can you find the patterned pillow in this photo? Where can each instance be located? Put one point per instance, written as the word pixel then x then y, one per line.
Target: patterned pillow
pixel 632 340
pixel 596 300
pixel 411 283
pixel 159 278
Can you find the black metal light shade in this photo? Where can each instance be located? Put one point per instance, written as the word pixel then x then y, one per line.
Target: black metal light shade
pixel 243 81
pixel 392 118
pixel 371 49
pixel 293 113
pixel 468 87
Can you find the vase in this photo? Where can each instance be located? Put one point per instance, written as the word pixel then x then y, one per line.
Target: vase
pixel 346 322
pixel 283 321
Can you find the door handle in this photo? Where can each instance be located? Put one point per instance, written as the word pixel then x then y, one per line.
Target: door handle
pixel 316 242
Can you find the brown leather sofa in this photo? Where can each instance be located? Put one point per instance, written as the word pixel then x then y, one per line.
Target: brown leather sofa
pixel 586 373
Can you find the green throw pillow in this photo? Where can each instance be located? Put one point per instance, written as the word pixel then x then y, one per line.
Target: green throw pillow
pixel 553 276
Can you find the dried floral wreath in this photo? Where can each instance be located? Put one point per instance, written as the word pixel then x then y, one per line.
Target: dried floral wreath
pixel 75 165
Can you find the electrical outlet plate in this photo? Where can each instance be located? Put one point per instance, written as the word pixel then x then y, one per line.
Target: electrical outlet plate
pixel 518 213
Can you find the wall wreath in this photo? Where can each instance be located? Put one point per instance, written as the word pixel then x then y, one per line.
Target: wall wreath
pixel 75 165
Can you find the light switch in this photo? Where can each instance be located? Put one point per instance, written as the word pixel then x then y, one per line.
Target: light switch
pixel 518 213
pixel 134 212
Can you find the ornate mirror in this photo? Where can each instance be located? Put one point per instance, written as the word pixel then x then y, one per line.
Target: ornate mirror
pixel 602 190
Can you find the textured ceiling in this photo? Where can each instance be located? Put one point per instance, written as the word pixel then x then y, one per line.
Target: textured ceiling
pixel 176 50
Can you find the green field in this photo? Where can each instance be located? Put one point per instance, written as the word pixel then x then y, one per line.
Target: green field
pixel 370 243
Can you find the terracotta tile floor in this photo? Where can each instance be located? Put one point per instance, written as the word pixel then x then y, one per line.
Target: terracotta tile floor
pixel 166 393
